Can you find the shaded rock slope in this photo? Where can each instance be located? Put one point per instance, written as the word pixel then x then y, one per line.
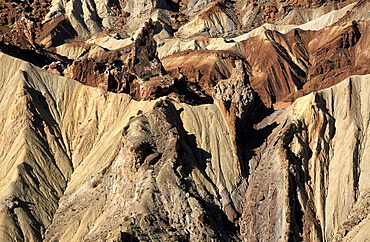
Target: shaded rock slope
pixel 180 120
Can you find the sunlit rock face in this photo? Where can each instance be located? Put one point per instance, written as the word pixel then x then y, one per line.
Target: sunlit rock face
pixel 174 120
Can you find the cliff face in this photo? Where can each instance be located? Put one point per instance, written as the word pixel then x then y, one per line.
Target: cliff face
pixel 143 168
pixel 184 120
pixel 318 149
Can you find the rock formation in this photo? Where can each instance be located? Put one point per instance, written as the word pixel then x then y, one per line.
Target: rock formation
pixel 181 120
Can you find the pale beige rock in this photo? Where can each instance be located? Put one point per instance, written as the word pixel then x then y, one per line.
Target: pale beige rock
pixel 86 16
pixel 74 51
pixel 195 26
pixel 172 46
pixel 315 24
pixel 32 148
pixel 140 11
pixel 83 164
pixel 133 189
pixel 216 23
pixel 103 151
pixel 109 42
pixel 319 148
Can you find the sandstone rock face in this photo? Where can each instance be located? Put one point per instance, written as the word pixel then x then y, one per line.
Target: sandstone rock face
pixel 214 20
pixel 167 175
pixel 317 176
pixel 207 18
pixel 148 193
pixel 56 32
pixel 85 16
pixel 182 120
pixel 307 62
pixel 183 165
pixel 133 69
pixel 36 162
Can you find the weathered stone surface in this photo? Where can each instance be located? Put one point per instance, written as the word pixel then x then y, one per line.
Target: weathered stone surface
pixel 147 190
pixel 163 148
pixel 202 69
pixel 216 19
pixel 300 62
pixel 134 68
pixel 156 171
pixel 56 32
pixel 313 159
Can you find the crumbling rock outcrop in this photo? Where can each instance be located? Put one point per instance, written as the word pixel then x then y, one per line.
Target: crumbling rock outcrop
pixel 295 63
pixel 236 93
pixel 21 35
pixel 256 13
pixel 56 32
pixel 20 41
pixel 133 69
pixel 147 190
pixel 161 173
pixel 159 140
pixel 201 70
pixel 237 100
pixel 11 11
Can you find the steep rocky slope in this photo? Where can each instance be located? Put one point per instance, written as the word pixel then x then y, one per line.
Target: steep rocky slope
pixel 149 153
pixel 175 120
pixel 319 147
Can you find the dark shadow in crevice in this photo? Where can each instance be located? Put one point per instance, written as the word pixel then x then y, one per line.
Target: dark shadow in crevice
pixel 224 229
pixel 39 58
pixel 161 25
pixel 260 111
pixel 259 135
pixel 42 118
pixel 37 228
pixel 126 237
pixel 191 93
pixel 191 157
pixel 168 5
pixel 187 142
pixel 296 180
pixel 248 138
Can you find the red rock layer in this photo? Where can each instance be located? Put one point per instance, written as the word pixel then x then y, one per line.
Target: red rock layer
pixel 202 68
pixel 300 62
pixel 11 11
pixel 134 69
